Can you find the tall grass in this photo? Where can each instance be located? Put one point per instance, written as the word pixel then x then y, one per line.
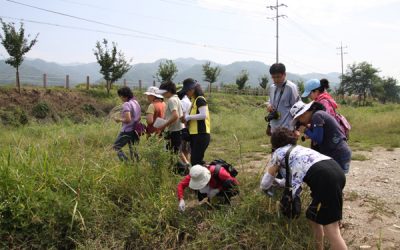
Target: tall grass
pixel 61 186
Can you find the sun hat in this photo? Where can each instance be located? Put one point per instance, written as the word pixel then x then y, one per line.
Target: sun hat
pixel 188 84
pixel 161 91
pixel 199 177
pixel 153 91
pixel 310 85
pixel 299 108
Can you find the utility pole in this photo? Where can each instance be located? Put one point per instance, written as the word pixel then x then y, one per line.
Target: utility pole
pixel 341 56
pixel 276 18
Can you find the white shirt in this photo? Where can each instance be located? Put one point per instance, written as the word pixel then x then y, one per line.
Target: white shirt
pixel 186 105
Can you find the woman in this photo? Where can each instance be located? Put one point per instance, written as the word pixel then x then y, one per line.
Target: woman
pixel 155 110
pixel 316 90
pixel 324 177
pixel 173 114
pixel 185 145
pixel 209 182
pixel 130 115
pixel 198 121
pixel 324 131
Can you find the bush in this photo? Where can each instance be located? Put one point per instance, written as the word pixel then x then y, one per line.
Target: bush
pixel 41 110
pixel 13 116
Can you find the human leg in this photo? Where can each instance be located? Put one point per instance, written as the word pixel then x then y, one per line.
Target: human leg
pixel 318 232
pixel 332 232
pixel 122 139
pixel 198 144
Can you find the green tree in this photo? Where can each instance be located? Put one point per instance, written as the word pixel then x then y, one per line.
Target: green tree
pixel 263 81
pixel 241 79
pixel 113 64
pixel 16 45
pixel 167 71
pixel 360 79
pixel 300 86
pixel 211 74
pixel 386 90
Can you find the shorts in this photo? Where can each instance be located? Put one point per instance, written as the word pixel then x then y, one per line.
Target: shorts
pixel 326 181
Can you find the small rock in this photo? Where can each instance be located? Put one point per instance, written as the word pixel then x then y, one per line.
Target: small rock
pixel 365 247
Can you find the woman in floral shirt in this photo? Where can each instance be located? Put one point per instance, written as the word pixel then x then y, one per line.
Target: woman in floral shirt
pixel 324 177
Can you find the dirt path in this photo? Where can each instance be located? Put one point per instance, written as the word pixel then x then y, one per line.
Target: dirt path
pixel 372 199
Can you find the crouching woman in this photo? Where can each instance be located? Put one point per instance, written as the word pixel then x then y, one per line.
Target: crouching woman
pixel 209 182
pixel 324 177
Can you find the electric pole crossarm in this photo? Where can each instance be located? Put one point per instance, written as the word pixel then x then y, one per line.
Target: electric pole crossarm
pixel 276 18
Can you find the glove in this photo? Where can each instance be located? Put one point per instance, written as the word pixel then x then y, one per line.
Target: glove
pixel 280 182
pixel 213 192
pixel 182 205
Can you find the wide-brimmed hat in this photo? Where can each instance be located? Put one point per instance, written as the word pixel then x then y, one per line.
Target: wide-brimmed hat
pixel 310 85
pixel 153 91
pixel 188 84
pixel 299 108
pixel 199 177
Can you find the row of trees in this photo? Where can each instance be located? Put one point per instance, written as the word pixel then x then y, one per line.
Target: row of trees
pixel 361 79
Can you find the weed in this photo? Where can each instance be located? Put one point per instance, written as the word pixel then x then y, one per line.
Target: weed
pixel 359 157
pixel 41 110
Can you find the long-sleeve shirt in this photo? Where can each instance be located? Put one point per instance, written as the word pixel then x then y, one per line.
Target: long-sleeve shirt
pixel 215 183
pixel 328 102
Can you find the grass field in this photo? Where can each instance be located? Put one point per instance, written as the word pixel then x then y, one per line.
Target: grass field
pixel 61 185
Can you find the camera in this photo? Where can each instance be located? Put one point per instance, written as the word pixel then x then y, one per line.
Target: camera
pixel 274 115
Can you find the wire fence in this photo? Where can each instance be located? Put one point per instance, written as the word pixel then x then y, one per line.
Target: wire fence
pixel 67 81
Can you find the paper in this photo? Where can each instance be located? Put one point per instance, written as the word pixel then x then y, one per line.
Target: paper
pixel 159 122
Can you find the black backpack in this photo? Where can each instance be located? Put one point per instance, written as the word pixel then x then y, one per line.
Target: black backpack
pixel 219 163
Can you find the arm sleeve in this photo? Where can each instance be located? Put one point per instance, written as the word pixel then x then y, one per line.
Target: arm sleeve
pixel 182 186
pixel 317 134
pixel 267 181
pixel 201 116
pixel 295 96
pixel 126 107
pixel 150 109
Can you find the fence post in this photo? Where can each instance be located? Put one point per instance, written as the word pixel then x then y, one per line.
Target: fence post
pixel 45 80
pixel 124 82
pixel 154 83
pixel 140 85
pixel 67 82
pixel 87 83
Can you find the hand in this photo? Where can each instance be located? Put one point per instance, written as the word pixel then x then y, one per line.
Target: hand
pixel 187 118
pixel 280 182
pixel 297 134
pixel 181 205
pixel 213 192
pixel 270 108
pixel 117 119
pixel 183 120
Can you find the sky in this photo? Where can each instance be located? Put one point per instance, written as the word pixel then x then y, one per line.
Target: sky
pixel 223 31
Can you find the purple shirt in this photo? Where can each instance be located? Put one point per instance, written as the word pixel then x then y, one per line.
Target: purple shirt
pixel 133 107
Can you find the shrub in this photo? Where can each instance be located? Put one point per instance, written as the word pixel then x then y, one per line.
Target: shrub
pixel 13 116
pixel 41 110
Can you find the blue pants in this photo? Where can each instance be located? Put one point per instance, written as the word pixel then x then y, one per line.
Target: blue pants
pixel 124 138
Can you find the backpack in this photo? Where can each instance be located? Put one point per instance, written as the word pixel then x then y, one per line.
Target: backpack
pixel 343 122
pixel 219 163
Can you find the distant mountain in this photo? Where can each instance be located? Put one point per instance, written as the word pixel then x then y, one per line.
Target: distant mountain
pixel 32 71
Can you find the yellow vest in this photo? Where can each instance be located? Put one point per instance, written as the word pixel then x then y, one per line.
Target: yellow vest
pixel 199 126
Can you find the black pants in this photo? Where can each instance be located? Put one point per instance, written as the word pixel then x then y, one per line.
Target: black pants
pixel 174 141
pixel 198 145
pixel 126 138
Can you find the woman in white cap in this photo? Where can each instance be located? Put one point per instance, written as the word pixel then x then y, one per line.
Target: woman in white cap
pixel 323 130
pixel 155 110
pixel 322 174
pixel 209 182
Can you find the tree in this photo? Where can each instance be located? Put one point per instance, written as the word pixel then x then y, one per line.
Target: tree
pixel 300 86
pixel 386 90
pixel 241 79
pixel 263 81
pixel 113 64
pixel 167 71
pixel 360 79
pixel 211 73
pixel 16 45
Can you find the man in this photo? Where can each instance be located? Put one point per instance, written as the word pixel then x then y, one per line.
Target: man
pixel 283 95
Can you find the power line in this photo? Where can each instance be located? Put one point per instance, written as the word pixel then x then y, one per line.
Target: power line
pixel 276 18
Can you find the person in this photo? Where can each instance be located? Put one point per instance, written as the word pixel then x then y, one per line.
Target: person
pixel 173 114
pixel 155 110
pixel 130 115
pixel 324 177
pixel 283 95
pixel 210 182
pixel 324 131
pixel 316 90
pixel 185 145
pixel 198 121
